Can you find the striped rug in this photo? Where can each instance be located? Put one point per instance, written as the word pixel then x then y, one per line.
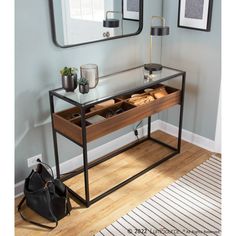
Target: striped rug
pixel 189 206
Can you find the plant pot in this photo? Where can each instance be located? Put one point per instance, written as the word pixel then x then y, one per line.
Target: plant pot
pixel 84 88
pixel 69 83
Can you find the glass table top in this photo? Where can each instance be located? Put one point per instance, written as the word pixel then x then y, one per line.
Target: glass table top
pixel 119 83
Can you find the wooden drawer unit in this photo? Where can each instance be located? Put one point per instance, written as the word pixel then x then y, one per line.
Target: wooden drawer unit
pixel 68 122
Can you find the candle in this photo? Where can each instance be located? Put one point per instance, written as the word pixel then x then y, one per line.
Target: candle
pixel 90 72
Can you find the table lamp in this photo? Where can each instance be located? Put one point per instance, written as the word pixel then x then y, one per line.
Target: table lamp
pixel 159 30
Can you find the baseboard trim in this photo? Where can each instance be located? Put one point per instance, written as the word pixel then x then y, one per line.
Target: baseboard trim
pixel 188 136
pixel 19 188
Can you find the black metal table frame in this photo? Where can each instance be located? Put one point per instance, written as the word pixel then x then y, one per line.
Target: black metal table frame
pixel 176 150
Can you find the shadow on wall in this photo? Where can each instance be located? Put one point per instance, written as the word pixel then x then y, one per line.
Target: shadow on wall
pixel 29 131
pixel 45 147
pixel 24 151
pixel 23 126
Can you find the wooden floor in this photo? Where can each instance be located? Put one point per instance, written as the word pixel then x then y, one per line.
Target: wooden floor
pixel 88 221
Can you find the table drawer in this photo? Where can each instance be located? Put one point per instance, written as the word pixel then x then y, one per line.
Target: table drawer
pixel 70 126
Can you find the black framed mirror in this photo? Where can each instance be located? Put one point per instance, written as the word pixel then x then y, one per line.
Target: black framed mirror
pixel 79 22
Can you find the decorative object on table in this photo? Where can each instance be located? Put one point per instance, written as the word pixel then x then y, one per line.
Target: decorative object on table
pixel 46 196
pixel 75 115
pixel 112 22
pixel 83 85
pixel 90 72
pixel 95 119
pixel 159 92
pixel 103 105
pixel 195 14
pixel 149 75
pixel 69 78
pixel 141 100
pixel 111 112
pixel 137 95
pixel 148 90
pixel 159 30
pixel 130 9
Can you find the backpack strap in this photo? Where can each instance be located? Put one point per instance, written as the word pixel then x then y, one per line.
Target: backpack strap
pixel 45 164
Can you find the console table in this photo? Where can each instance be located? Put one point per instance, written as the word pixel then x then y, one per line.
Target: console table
pixel 72 123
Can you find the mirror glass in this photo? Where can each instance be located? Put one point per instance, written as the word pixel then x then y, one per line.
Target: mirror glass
pixel 76 22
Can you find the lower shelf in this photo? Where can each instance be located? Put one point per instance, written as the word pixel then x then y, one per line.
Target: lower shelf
pixel 121 167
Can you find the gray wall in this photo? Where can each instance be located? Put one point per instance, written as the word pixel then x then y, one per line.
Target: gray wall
pixel 199 53
pixel 38 63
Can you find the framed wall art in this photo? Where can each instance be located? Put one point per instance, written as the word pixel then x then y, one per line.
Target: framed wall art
pixel 131 9
pixel 195 14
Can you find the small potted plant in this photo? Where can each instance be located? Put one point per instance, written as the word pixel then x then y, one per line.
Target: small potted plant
pixel 83 85
pixel 69 78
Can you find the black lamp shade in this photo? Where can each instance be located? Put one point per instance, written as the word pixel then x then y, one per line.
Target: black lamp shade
pixel 111 23
pixel 160 30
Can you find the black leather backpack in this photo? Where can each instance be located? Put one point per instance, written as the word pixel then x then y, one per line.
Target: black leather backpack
pixel 46 196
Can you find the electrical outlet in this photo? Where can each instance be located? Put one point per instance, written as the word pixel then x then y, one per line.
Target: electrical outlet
pixel 33 160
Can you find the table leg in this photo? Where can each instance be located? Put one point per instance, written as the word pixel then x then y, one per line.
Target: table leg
pixel 181 113
pixel 85 157
pixel 54 134
pixel 149 126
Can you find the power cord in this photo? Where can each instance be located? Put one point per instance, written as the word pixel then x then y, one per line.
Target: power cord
pixel 136 130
